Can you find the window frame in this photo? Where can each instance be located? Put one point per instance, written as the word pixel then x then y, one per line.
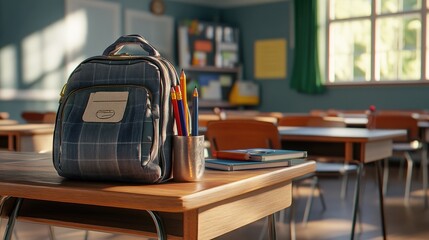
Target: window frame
pixel 325 22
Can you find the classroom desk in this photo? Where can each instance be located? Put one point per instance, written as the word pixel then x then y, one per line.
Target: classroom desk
pixel 27 137
pixel 7 122
pixel 350 144
pixel 219 203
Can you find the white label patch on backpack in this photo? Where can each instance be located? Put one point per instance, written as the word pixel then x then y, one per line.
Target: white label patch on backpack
pixel 105 107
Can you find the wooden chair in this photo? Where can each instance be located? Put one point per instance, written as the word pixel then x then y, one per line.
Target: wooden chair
pixel 39 117
pixel 311 121
pixel 242 133
pixel 298 120
pixel 403 146
pixel 245 133
pixel 251 115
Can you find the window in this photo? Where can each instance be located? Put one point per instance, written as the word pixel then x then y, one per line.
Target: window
pixel 374 41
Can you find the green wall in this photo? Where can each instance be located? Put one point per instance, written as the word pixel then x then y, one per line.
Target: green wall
pixel 22 18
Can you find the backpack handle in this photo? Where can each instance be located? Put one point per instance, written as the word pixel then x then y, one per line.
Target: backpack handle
pixel 130 39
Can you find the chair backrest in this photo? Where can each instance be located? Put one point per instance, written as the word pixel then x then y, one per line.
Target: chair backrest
pixel 311 121
pixel 39 117
pixel 242 133
pixel 204 118
pixel 251 115
pixel 326 122
pixel 408 122
pixel 297 120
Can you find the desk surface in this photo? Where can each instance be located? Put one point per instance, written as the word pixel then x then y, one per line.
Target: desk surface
pixel 37 179
pixel 27 128
pixel 352 134
pixel 219 203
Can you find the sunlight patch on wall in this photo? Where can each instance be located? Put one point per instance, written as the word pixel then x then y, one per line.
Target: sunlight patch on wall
pixel 44 55
pixel 53 51
pixel 8 66
pixel 43 59
pixel 31 58
pixel 77 31
pixel 43 52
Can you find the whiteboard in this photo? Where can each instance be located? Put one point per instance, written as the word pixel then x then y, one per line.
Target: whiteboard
pixel 158 30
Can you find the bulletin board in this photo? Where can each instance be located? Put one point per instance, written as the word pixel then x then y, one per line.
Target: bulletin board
pixel 270 59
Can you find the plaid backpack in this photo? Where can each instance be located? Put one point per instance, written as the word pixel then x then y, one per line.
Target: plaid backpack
pixel 114 120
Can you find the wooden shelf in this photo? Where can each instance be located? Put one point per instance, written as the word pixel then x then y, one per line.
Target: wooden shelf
pixel 213 69
pixel 215 103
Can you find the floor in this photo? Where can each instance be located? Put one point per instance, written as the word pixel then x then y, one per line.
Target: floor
pixel 403 222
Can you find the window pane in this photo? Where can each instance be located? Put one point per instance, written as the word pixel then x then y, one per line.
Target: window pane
pixel 349 51
pixel 350 8
pixel 398 48
pixel 394 6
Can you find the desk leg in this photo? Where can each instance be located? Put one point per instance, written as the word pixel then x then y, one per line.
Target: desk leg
pixel 424 166
pixel 356 199
pixel 379 174
pixel 160 230
pixel 3 200
pixel 272 226
pixel 11 222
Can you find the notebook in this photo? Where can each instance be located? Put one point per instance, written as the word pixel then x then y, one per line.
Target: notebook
pixel 260 154
pixel 233 165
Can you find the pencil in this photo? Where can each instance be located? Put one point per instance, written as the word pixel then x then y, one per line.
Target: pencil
pixel 176 111
pixel 181 111
pixel 195 112
pixel 184 96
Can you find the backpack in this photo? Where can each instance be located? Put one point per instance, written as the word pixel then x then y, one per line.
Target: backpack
pixel 115 120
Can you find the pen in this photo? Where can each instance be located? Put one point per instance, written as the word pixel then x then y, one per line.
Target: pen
pixel 181 112
pixel 184 97
pixel 195 112
pixel 176 111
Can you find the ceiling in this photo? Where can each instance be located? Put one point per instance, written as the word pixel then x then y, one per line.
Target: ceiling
pixel 227 3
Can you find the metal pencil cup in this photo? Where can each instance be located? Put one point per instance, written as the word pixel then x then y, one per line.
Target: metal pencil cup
pixel 188 158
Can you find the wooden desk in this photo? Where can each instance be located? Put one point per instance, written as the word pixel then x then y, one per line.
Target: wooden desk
pixel 219 203
pixel 7 122
pixel 358 144
pixel 27 137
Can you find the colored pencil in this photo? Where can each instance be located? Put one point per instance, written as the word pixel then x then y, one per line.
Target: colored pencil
pixel 195 112
pixel 184 96
pixel 181 111
pixel 176 111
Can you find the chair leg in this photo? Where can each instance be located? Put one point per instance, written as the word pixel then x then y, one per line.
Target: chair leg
pixel 385 175
pixel 292 226
pixel 309 201
pixel 356 199
pixel 321 196
pixel 409 175
pixel 344 184
pixel 272 234
pixel 51 233
pixel 86 235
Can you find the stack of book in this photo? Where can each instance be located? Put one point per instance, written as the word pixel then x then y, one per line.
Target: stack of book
pixel 255 158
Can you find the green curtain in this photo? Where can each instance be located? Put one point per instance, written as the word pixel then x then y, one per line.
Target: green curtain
pixel 306 77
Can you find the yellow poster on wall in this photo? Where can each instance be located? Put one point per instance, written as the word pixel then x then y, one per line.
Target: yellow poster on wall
pixel 270 59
